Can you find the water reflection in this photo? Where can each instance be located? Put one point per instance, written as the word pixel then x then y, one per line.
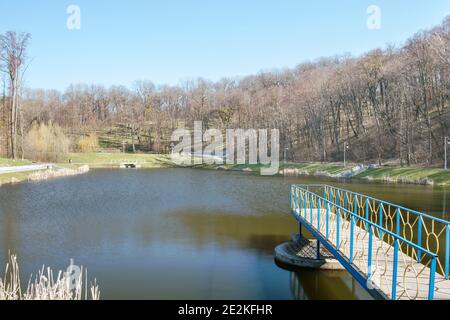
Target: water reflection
pixel 310 285
pixel 250 232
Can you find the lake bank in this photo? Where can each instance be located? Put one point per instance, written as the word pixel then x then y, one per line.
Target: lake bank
pixel 38 172
pixel 391 174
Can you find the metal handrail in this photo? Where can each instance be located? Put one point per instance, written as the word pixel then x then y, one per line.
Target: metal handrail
pixel 391 204
pixel 370 227
pixel 442 234
pixel 384 230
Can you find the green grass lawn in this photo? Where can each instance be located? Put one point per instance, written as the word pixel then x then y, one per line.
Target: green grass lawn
pixel 7 178
pixel 13 163
pixel 412 174
pixel 113 160
pixel 313 168
pixel 303 168
pixel 415 175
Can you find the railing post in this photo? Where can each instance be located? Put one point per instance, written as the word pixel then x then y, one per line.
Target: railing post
pixel 311 208
pixel 369 255
pixel 305 204
pixel 352 226
pixel 291 199
pixel 338 198
pixel 299 206
pixel 330 200
pixel 367 212
pixel 419 238
pixel 380 219
pixel 394 271
pixel 398 215
pixel 338 224
pixel 352 232
pixel 318 213
pixel 447 251
pixel 346 200
pixel 432 278
pixel 396 248
pixel 295 201
pixel 327 216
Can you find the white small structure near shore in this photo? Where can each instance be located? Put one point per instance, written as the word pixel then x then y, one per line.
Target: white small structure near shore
pixel 130 165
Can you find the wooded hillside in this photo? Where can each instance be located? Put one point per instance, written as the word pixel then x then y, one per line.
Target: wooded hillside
pixel 390 104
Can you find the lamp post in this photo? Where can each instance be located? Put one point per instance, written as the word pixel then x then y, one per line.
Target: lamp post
pixel 285 156
pixel 345 150
pixel 446 142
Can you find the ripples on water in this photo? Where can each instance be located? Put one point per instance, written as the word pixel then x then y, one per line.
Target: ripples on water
pixel 176 233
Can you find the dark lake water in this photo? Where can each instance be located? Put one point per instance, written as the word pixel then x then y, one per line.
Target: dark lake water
pixel 177 233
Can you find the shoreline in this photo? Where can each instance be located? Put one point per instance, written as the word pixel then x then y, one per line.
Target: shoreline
pixel 41 175
pixel 390 175
pixel 370 174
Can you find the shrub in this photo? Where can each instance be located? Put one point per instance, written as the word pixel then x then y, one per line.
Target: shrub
pixel 46 142
pixel 88 143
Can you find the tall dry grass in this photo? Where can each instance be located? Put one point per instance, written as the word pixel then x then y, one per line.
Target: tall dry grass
pixel 88 143
pixel 46 286
pixel 46 142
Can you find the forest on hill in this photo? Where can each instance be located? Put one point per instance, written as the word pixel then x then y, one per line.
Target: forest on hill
pixel 391 104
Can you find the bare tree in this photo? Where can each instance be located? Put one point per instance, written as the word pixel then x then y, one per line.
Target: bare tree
pixel 13 56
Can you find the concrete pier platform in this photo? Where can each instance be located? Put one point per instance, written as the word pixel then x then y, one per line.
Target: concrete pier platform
pixel 302 253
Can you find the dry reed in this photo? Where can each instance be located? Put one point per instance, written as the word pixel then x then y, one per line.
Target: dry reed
pixel 46 286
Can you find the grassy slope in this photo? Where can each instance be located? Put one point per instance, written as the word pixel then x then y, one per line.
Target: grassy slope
pixel 7 178
pixel 113 160
pixel 303 168
pixel 413 174
pixel 13 163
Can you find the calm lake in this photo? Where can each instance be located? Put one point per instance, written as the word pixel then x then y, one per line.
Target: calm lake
pixel 177 233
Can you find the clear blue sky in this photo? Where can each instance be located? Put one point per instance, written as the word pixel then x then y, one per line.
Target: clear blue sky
pixel 171 40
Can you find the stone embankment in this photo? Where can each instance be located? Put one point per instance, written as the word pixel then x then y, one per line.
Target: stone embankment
pixel 51 174
pixel 349 173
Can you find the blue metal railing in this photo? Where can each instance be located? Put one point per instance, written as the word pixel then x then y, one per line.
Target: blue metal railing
pixel 355 210
pixel 424 229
